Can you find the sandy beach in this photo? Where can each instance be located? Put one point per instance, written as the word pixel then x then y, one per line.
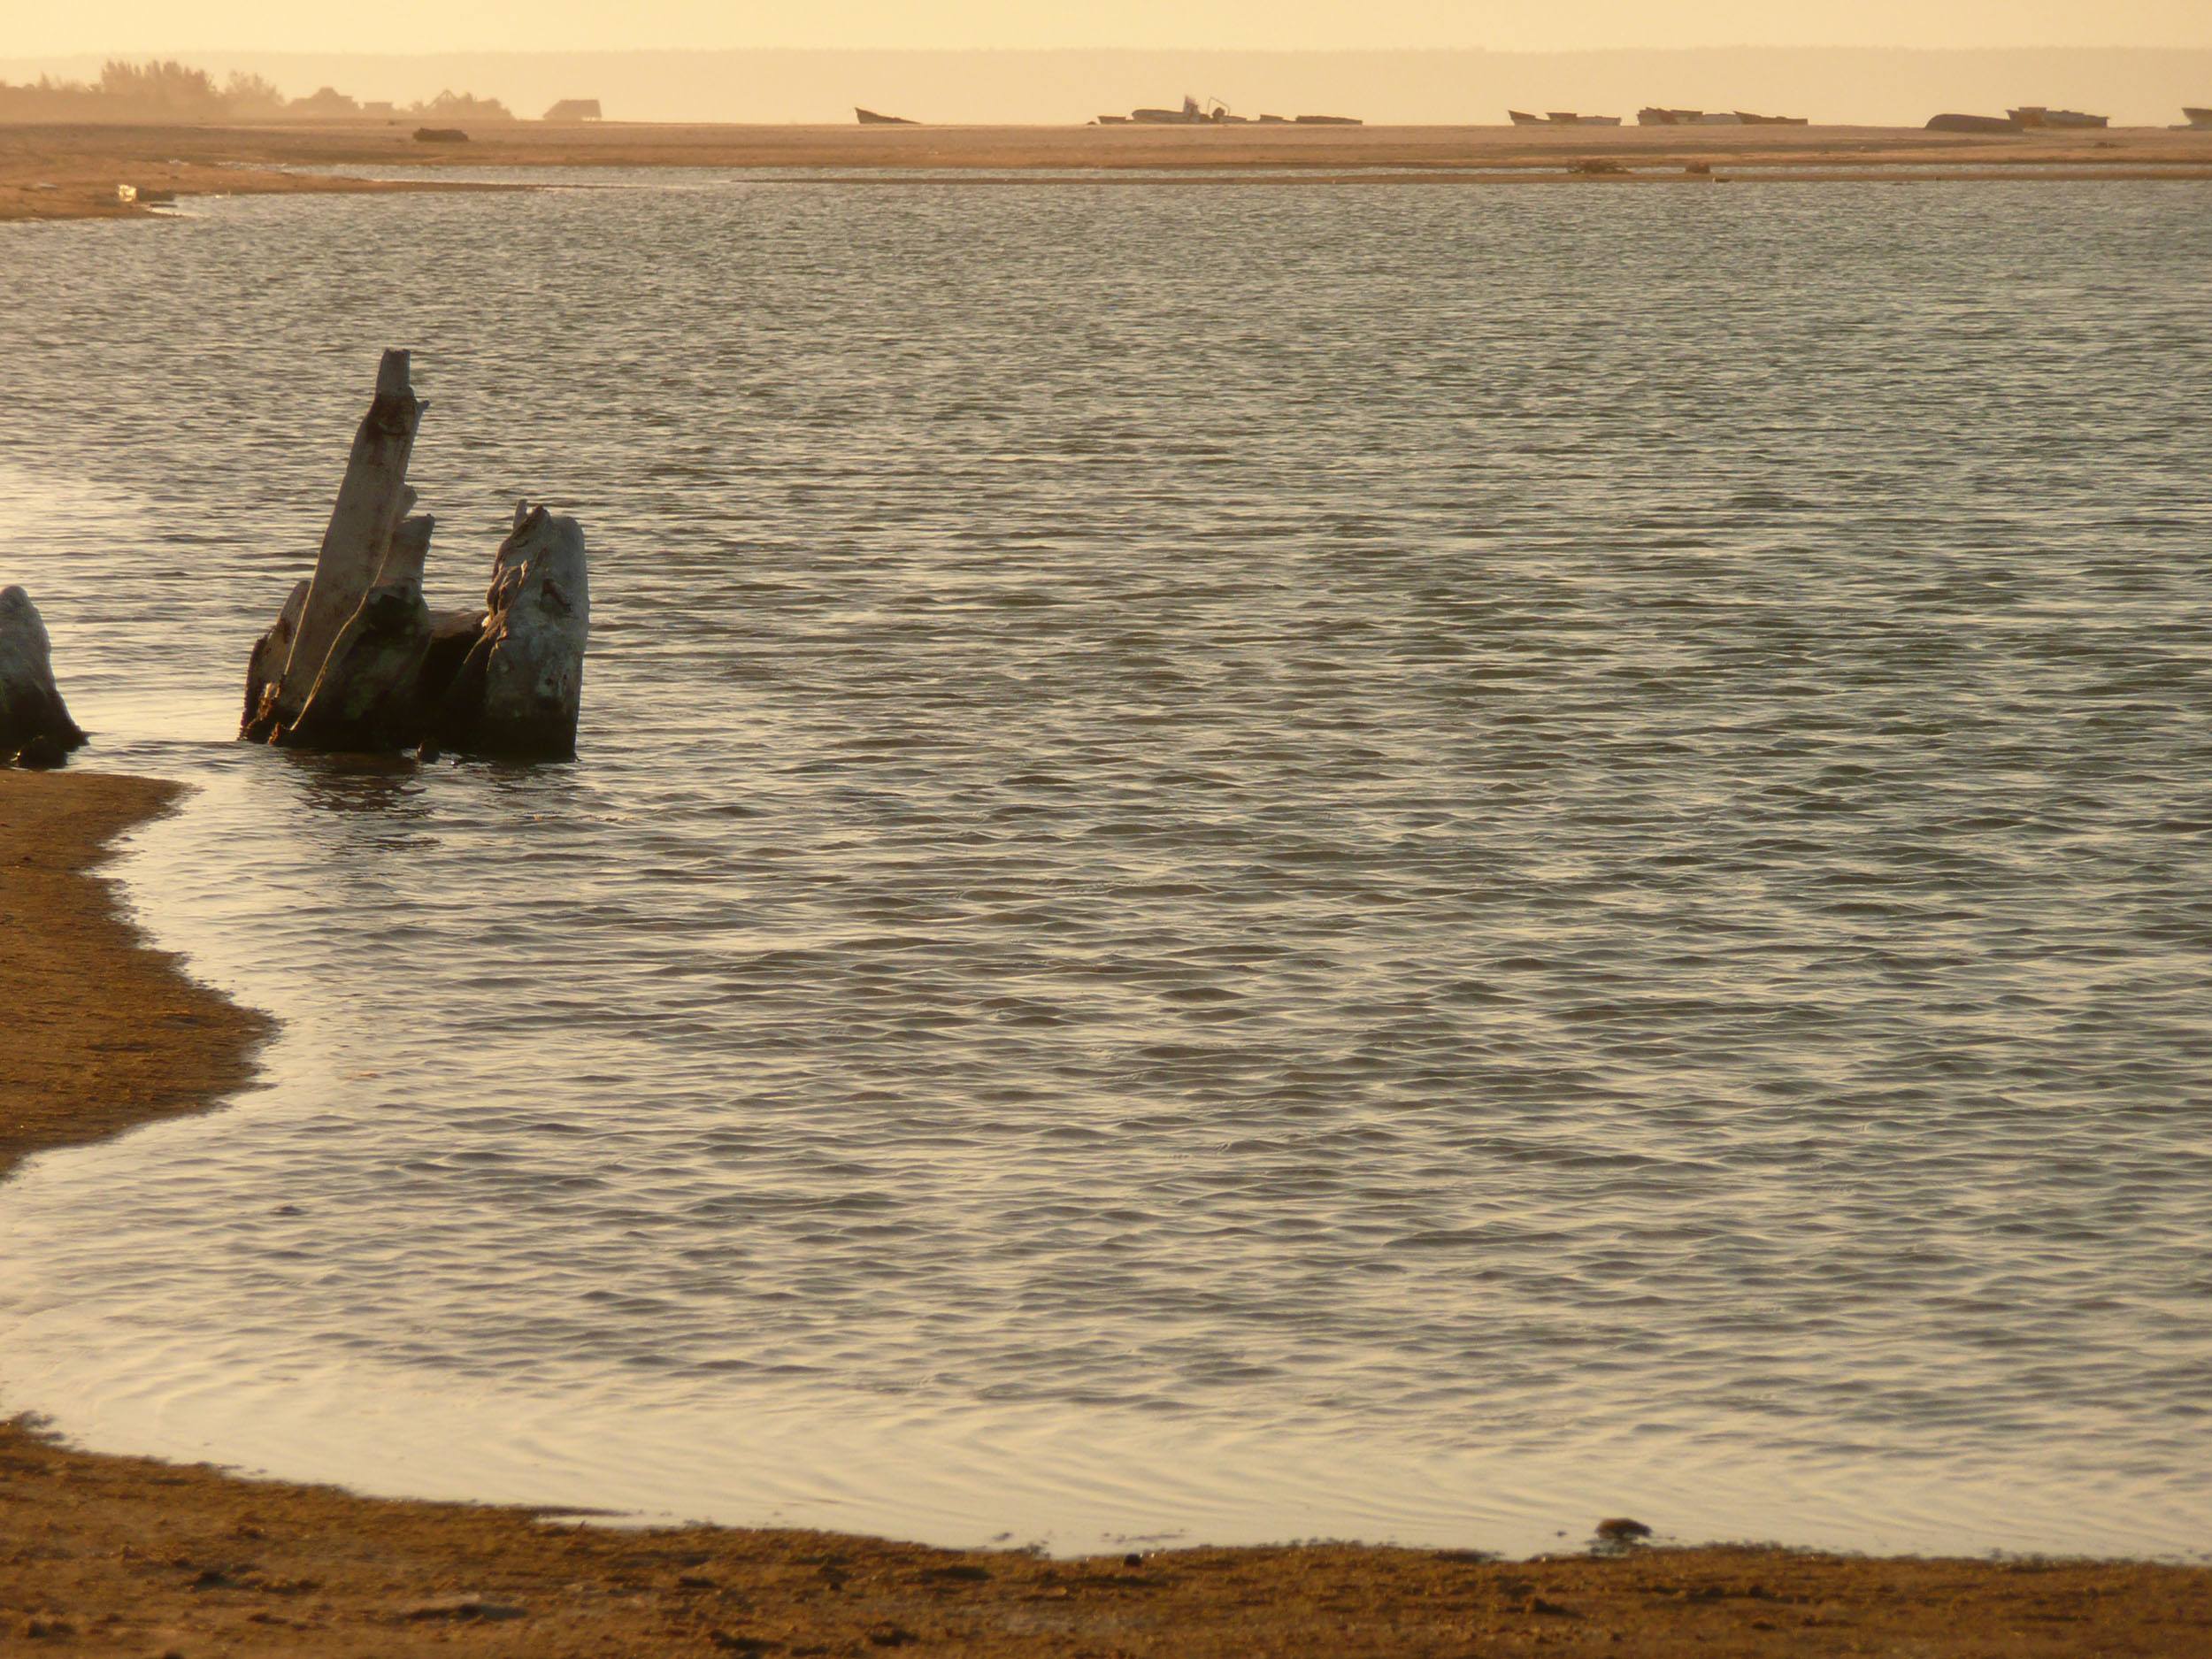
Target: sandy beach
pixel 121 1556
pixel 70 172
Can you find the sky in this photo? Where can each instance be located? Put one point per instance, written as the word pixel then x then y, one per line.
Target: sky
pixel 438 26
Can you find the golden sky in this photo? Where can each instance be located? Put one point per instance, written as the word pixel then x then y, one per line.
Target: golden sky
pixel 437 26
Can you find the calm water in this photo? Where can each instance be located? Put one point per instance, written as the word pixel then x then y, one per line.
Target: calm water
pixel 1258 862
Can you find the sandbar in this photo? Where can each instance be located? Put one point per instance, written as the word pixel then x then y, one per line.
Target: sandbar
pixel 71 171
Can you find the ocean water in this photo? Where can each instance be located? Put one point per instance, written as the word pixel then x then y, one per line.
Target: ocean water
pixel 1278 861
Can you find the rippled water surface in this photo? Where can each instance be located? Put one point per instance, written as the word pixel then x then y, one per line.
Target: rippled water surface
pixel 1271 861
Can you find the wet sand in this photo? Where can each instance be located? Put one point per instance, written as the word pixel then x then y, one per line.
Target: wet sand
pixel 121 1556
pixel 63 172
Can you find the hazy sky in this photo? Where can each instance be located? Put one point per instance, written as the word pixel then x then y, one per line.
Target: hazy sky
pixel 427 26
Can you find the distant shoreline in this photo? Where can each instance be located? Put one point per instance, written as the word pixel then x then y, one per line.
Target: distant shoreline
pixel 73 172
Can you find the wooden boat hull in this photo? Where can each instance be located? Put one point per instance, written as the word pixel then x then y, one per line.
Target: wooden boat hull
pixel 1988 125
pixel 2033 115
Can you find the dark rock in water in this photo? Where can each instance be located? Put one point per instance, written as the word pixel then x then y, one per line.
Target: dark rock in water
pixel 1620 1530
pixel 367 696
pixel 520 690
pixel 43 754
pixel 34 720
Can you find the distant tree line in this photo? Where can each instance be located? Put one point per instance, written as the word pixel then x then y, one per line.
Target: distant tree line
pixel 171 91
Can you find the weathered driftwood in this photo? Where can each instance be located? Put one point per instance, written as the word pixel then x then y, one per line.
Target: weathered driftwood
pixel 371 501
pixel 357 660
pixel 368 695
pixel 453 635
pixel 520 688
pixel 266 667
pixel 35 725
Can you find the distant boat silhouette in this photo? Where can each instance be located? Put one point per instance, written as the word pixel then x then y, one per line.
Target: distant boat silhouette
pixel 1972 124
pixel 2036 115
pixel 869 118
pixel 1562 117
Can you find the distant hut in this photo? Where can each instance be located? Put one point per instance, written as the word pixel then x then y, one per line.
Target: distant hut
pixel 574 110
pixel 325 103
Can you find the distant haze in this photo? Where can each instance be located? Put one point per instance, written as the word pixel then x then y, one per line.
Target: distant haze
pixel 1884 86
pixel 444 26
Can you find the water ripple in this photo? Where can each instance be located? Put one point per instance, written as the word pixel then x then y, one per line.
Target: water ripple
pixel 1271 861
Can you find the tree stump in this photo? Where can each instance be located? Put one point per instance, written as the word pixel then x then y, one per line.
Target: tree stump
pixel 357 660
pixel 34 724
pixel 520 691
pixel 265 668
pixel 367 696
pixel 371 501
pixel 453 635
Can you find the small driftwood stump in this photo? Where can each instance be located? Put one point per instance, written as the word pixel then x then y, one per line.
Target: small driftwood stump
pixel 371 501
pixel 520 689
pixel 368 695
pixel 357 660
pixel 35 729
pixel 266 667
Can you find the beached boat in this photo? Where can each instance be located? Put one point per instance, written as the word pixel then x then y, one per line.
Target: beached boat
pixel 1655 116
pixel 1562 117
pixel 2034 115
pixel 1522 118
pixel 869 118
pixel 1330 120
pixel 2199 118
pixel 1189 115
pixel 1749 120
pixel 1980 124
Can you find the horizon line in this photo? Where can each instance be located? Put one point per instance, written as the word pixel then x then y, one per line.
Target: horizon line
pixel 1054 51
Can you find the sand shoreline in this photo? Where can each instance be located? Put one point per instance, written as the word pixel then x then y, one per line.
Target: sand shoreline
pixel 126 1556
pixel 71 172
